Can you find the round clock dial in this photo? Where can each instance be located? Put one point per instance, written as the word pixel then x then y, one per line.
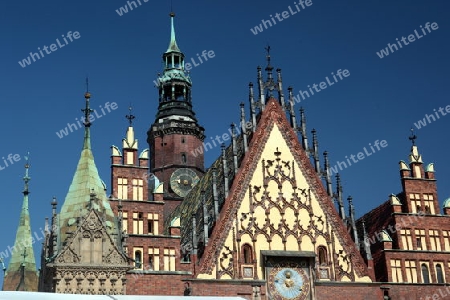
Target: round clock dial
pixel 289 283
pixel 182 181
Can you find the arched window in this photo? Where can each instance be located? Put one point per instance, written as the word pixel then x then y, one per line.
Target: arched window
pixel 439 274
pixel 247 253
pixel 183 158
pixel 425 274
pixel 323 261
pixel 137 259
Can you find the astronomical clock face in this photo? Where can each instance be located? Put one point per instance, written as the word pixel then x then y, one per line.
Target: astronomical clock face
pixel 288 283
pixel 182 181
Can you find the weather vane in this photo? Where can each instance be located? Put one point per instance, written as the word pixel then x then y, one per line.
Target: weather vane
pixel 413 137
pixel 268 54
pixel 130 117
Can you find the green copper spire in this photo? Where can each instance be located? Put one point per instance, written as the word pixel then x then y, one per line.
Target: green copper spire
pixel 86 181
pixel 21 273
pixel 173 47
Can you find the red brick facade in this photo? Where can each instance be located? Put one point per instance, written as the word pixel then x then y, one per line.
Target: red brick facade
pixel 409 235
pixel 404 242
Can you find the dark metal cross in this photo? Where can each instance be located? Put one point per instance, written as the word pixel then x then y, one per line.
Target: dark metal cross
pixel 268 54
pixel 130 117
pixel 413 137
pixel 24 255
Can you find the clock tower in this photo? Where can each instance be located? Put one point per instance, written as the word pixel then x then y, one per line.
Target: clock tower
pixel 175 138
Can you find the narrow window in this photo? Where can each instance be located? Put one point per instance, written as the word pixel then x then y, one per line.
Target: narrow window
pixel 425 274
pixel 125 221
pixel 396 270
pixel 150 226
pixel 153 259
pixel 122 185
pixel 322 256
pixel 439 274
pixel 152 223
pixel 138 189
pixel 247 252
pixel 137 259
pixel 419 243
pixel 183 158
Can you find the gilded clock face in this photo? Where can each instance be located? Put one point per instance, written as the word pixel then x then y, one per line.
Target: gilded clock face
pixel 182 181
pixel 288 283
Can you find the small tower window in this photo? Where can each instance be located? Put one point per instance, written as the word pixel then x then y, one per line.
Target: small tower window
pixel 183 158
pixel 177 61
pixel 425 274
pixel 247 253
pixel 183 140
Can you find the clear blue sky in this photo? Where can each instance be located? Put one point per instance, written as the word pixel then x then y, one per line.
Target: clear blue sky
pixel 380 100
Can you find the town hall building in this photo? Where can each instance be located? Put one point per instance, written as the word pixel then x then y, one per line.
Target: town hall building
pixel 262 222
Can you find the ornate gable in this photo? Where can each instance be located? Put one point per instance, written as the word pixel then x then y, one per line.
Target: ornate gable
pixel 91 244
pixel 278 207
pixel 90 262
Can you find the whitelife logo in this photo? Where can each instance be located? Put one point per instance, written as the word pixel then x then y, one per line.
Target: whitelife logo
pixel 321 86
pixel 124 9
pixel 358 157
pixel 281 17
pixel 430 118
pixel 187 66
pixel 11 158
pixel 53 47
pixel 411 38
pixel 73 126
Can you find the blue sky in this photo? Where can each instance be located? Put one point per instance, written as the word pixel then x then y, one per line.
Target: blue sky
pixel 380 99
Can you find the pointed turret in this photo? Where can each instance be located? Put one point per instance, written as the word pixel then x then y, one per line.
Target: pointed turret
pixel 86 180
pixel 21 274
pixel 352 220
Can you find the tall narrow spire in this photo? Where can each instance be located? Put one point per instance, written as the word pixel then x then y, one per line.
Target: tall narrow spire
pixel 85 180
pixel 21 273
pixel 174 85
pixel 353 220
pixel 339 197
pixel 173 47
pixel 87 123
